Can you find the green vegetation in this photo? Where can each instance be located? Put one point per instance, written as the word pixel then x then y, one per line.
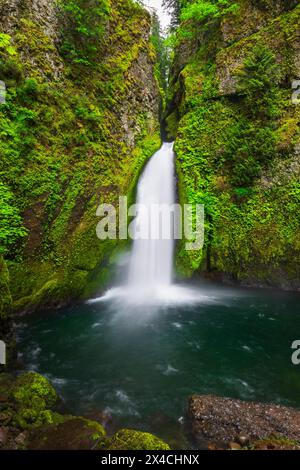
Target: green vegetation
pixel 202 10
pixel 33 399
pixel 28 405
pixel 188 17
pixel 5 297
pixel 162 54
pixel 72 137
pixel 236 140
pixel 11 228
pixel 76 130
pixel 128 439
pixel 85 29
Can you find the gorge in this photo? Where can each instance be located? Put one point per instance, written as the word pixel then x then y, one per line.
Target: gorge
pixel 126 333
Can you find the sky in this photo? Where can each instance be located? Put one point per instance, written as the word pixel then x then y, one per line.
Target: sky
pixel 164 17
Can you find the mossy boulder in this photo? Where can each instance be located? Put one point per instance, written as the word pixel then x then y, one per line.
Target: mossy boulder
pixel 33 399
pixel 75 433
pixel 129 439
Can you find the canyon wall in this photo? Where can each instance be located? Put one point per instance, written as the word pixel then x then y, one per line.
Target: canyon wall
pixel 80 120
pixel 237 140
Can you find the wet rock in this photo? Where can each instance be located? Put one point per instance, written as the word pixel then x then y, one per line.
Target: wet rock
pixel 74 434
pixel 242 439
pixel 21 438
pixel 212 418
pixel 214 446
pixel 5 417
pixel 3 436
pixel 275 443
pixel 103 417
pixel 234 446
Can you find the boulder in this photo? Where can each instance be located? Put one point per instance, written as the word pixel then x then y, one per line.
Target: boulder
pixel 224 420
pixel 75 433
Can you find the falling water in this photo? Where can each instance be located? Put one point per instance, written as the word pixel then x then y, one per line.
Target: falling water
pixel 151 258
pixel 149 279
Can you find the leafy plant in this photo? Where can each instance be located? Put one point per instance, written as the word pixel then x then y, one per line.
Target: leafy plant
pixel 5 44
pixel 85 30
pixel 11 228
pixel 258 81
pixel 203 11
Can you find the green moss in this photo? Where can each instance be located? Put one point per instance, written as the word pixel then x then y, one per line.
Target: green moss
pixel 128 439
pixel 231 150
pixel 172 125
pixel 5 295
pixel 98 429
pixel 33 397
pixel 64 150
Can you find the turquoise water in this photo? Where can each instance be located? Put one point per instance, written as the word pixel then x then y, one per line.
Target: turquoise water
pixel 140 364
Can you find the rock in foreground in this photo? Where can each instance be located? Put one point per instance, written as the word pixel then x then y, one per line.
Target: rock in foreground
pixel 129 439
pixel 224 420
pixel 75 433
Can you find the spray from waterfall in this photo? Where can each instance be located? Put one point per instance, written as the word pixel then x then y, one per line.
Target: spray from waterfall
pixel 149 279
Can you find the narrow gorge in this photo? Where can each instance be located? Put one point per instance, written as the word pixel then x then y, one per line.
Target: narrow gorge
pixel 119 345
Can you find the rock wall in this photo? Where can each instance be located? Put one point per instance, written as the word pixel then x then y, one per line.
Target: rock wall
pixel 237 142
pixel 80 119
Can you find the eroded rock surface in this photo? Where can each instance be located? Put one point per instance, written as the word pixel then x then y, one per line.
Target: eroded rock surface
pixel 219 420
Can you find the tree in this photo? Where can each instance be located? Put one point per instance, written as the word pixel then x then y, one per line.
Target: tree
pixel 174 6
pixel 161 51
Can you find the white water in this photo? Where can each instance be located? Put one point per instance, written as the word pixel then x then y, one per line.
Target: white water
pixel 151 260
pixel 150 268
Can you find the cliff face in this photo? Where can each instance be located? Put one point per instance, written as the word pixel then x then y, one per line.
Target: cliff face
pixel 237 140
pixel 80 119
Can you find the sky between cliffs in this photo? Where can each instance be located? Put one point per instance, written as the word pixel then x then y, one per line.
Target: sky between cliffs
pixel 164 16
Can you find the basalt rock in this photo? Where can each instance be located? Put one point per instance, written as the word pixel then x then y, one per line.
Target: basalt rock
pixel 237 423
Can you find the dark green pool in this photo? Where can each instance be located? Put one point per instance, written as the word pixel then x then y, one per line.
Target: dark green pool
pixel 142 366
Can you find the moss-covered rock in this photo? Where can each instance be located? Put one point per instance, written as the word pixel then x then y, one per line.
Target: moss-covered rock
pixel 80 120
pixel 28 415
pixel 237 144
pixel 129 439
pixel 74 433
pixel 27 412
pixel 33 399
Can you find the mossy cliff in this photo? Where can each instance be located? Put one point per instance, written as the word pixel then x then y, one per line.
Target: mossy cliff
pixel 237 137
pixel 80 120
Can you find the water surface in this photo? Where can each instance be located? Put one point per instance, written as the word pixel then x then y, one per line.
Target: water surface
pixel 141 363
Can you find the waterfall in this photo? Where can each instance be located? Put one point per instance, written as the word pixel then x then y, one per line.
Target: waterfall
pixel 150 267
pixel 151 259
